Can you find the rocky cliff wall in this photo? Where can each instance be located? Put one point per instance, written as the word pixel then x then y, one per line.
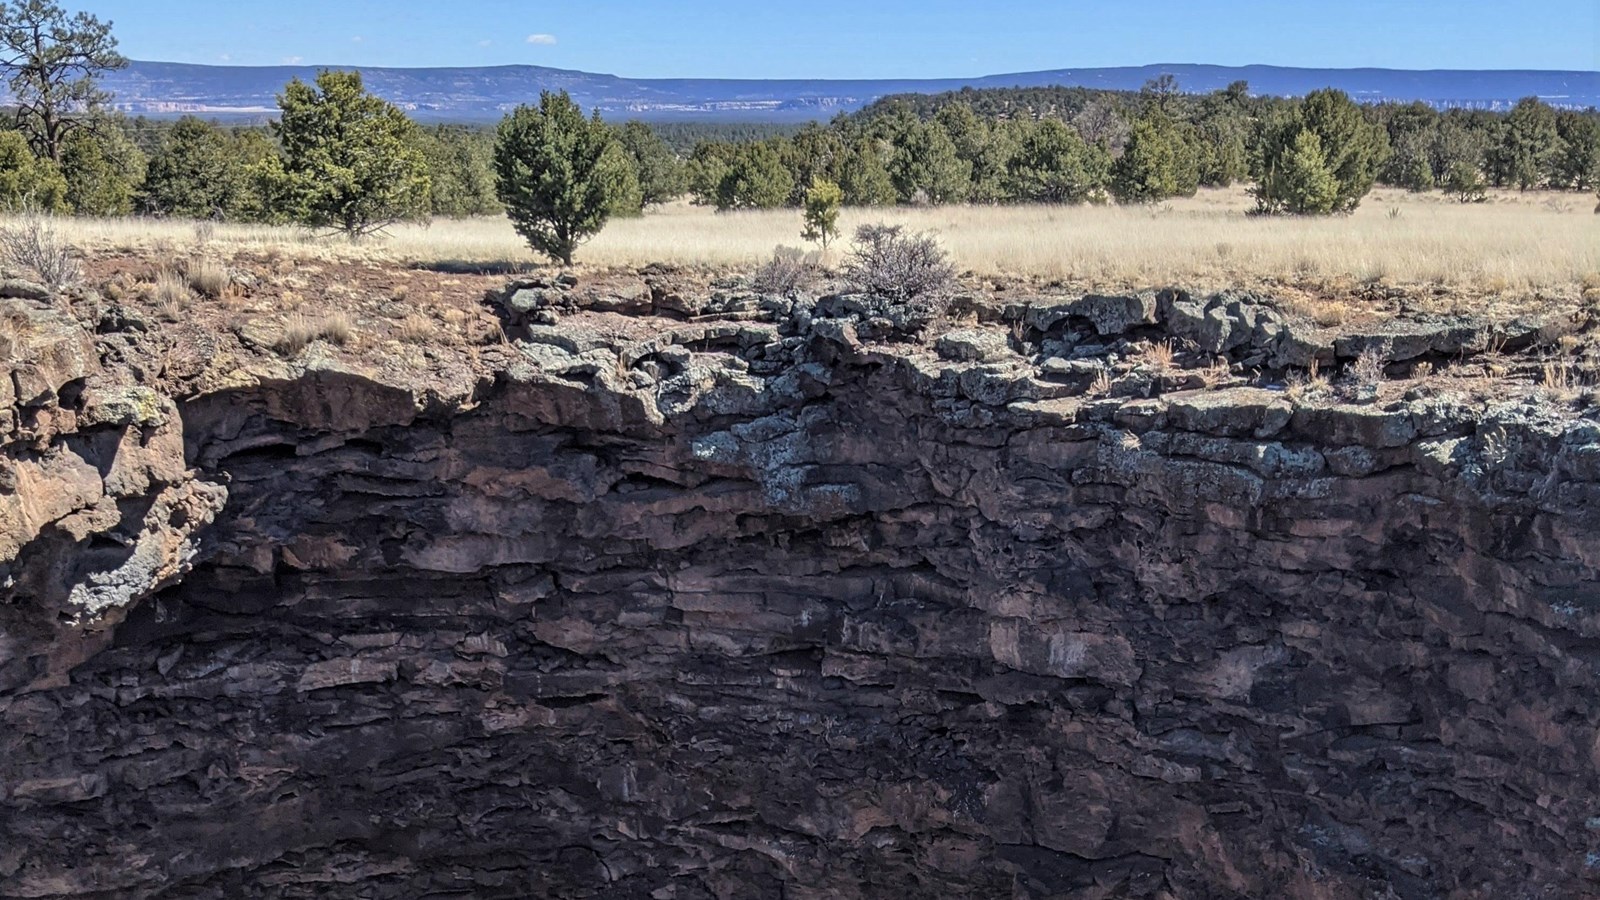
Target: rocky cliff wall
pixel 787 599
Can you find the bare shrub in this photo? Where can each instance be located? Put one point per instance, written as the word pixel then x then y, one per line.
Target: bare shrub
pixel 1160 357
pixel 208 277
pixel 336 329
pixel 301 330
pixel 298 333
pixel 1363 376
pixel 789 270
pixel 417 329
pixel 1368 367
pixel 891 263
pixel 170 293
pixel 34 245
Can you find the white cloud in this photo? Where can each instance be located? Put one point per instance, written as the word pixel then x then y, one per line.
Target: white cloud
pixel 485 43
pixel 223 57
pixel 357 39
pixel 542 39
pixel 293 60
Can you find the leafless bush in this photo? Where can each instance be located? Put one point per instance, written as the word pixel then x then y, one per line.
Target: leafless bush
pixel 34 245
pixel 300 331
pixel 888 262
pixel 789 270
pixel 208 277
pixel 1365 374
pixel 170 289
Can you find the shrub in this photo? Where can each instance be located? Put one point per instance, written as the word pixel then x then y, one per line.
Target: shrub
pixel 786 273
pixel 1158 162
pixel 34 245
pixel 1321 158
pixel 350 158
pixel 1054 165
pixel 560 176
pixel 888 262
pixel 822 203
pixel 1464 183
pixel 208 277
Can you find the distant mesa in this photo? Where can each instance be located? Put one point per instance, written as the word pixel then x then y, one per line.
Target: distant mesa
pixel 486 93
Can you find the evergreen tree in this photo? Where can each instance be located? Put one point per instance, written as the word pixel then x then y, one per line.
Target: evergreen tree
pixel 53 63
pixel 1528 148
pixel 1157 163
pixel 1464 182
pixel 627 197
pixel 1054 165
pixel 460 171
pixel 926 168
pixel 1347 147
pixel 266 193
pixel 661 174
pixel 756 178
pixel 708 165
pixel 1309 184
pixel 1221 151
pixel 27 182
pixel 195 173
pixel 864 177
pixel 350 159
pixel 1459 138
pixel 1577 160
pixel 822 203
pixel 985 147
pixel 1412 129
pixel 558 174
pixel 813 153
pixel 103 170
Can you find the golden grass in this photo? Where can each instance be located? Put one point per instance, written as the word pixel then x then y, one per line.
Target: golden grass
pixel 1515 243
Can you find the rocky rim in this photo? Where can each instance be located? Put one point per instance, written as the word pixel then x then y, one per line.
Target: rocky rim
pixel 644 584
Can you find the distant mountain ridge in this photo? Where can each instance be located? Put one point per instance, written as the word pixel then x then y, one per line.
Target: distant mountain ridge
pixel 485 93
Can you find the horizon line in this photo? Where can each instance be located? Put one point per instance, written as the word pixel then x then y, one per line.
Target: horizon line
pixel 302 65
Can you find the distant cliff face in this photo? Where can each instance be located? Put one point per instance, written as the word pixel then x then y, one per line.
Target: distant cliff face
pixel 721 596
pixel 474 94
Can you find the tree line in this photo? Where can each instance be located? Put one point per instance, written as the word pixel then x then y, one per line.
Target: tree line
pixel 1316 154
pixel 342 159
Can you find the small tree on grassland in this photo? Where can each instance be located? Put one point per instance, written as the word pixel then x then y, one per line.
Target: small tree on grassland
pixel 559 174
pixel 1325 137
pixel 1465 183
pixel 822 203
pixel 350 159
pixel 1158 162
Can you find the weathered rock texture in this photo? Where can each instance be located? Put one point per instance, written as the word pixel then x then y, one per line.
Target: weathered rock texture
pixel 769 609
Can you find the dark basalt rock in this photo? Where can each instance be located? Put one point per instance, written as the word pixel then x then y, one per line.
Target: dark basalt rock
pixel 768 610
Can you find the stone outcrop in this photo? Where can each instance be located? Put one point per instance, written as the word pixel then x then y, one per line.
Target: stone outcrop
pixel 783 599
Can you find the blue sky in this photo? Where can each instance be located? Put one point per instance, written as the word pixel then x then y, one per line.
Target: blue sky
pixel 858 38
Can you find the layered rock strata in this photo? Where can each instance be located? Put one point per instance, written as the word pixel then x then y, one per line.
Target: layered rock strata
pixel 750 597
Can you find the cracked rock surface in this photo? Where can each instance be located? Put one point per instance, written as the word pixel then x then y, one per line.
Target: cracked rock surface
pixel 785 600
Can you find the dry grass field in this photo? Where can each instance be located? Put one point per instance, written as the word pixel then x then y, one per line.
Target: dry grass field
pixel 1514 244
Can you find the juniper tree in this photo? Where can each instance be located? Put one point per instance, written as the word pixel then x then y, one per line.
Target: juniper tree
pixel 351 160
pixel 559 174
